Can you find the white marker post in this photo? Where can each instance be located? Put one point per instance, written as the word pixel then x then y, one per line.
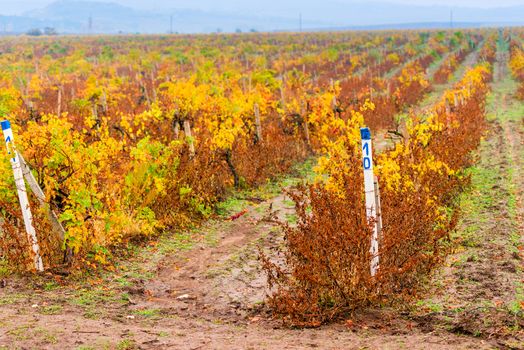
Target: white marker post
pixel 371 200
pixel 22 193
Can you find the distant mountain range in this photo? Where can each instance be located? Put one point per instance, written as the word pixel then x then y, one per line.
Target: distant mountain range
pixel 84 17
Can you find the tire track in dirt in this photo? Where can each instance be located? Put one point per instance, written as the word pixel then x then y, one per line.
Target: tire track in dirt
pixel 208 282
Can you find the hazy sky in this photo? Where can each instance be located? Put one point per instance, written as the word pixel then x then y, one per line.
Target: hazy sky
pixel 9 7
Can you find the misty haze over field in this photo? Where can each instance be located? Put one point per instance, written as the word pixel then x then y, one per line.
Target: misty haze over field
pixel 163 16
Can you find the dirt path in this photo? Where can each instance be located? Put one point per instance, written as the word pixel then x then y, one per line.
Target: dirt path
pixel 480 292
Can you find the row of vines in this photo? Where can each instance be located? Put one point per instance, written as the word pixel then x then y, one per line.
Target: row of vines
pixel 517 63
pixel 132 136
pixel 327 256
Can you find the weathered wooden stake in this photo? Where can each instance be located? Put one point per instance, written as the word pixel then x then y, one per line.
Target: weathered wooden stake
pixel 22 194
pixel 258 124
pixel 303 113
pixel 189 136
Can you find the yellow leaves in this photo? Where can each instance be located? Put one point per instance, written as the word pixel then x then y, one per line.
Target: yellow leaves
pixel 35 87
pixel 389 170
pixel 340 142
pixel 474 77
pixel 355 61
pixel 473 80
pixel 393 57
pixel 413 161
pixel 516 62
pixel 422 132
pixel 225 127
pixel 183 97
pixel 368 105
pixel 413 73
pixel 92 90
pixel 430 164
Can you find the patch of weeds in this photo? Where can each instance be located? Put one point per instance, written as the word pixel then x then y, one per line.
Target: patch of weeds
pixel 292 218
pixel 515 307
pixel 469 236
pixel 261 209
pixel 459 262
pixel 51 310
pixel 211 238
pixel 89 300
pixel 21 333
pixel 49 286
pixel 148 313
pixel 46 335
pixel 126 344
pixel 89 297
pixel 123 282
pixel 4 268
pixel 181 241
pixel 289 203
pixel 430 305
pixel 458 310
pixel 124 298
pixel 139 271
pixel 305 169
pixel 163 334
pixel 92 314
pixel 230 206
pixel 299 173
pixel 10 299
pixel 514 239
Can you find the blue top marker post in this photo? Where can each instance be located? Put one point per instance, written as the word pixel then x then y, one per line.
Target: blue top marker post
pixel 369 191
pixel 365 133
pixel 5 124
pixel 22 193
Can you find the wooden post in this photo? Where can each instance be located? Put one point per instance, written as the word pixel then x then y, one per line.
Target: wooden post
pixel 104 101
pixel 53 218
pixel 177 129
pixel 153 89
pixel 94 107
pixel 303 113
pixel 282 98
pixel 258 124
pixel 59 102
pixel 379 208
pixel 282 95
pixel 189 136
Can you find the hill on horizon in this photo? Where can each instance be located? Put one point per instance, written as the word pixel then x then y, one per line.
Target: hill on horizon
pixel 90 17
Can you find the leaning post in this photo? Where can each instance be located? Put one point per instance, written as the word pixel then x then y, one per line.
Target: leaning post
pixel 22 193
